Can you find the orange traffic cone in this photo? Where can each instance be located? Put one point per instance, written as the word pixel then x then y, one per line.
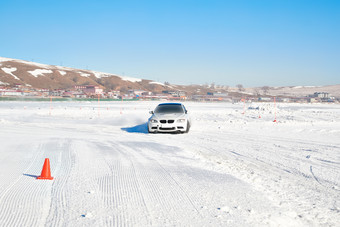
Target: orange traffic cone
pixel 46 171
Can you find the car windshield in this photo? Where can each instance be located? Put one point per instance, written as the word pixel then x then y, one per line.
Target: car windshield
pixel 169 109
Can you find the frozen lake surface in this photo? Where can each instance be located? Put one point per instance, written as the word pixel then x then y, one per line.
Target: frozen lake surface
pixel 234 168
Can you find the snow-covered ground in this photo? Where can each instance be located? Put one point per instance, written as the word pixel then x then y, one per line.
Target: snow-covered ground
pixel 231 169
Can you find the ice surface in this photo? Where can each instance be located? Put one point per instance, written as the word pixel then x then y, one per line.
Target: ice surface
pixel 231 169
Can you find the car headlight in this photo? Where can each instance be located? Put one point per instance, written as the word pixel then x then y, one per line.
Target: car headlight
pixel 153 121
pixel 181 120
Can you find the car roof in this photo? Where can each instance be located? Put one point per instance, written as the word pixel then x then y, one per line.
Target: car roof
pixel 171 103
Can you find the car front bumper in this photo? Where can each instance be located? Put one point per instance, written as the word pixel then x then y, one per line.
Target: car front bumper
pixel 174 127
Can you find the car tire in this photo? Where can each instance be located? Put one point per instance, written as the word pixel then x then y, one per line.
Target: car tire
pixel 188 128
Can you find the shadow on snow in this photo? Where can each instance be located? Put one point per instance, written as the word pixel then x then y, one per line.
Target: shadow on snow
pixel 142 128
pixel 30 175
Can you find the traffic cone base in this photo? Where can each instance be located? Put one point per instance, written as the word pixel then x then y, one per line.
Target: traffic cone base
pixel 46 171
pixel 44 178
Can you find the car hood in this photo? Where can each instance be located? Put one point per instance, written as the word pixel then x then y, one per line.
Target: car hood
pixel 167 115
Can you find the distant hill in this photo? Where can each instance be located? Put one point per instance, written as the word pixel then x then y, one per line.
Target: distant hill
pixel 333 90
pixel 294 91
pixel 36 75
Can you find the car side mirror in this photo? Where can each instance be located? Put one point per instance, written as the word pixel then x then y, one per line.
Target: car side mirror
pixel 151 112
pixel 186 111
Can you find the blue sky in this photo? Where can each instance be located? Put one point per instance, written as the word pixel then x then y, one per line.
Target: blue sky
pixel 253 42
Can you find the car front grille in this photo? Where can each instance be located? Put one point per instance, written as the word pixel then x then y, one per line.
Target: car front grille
pixel 167 121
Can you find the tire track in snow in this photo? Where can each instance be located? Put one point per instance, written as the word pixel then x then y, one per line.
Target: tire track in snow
pixel 138 191
pixel 56 215
pixel 18 174
pixel 161 191
pixel 120 190
pixel 253 170
pixel 288 154
pixel 169 175
pixel 315 178
pixel 184 179
pixel 10 211
pixel 237 165
pixel 26 202
pixel 82 202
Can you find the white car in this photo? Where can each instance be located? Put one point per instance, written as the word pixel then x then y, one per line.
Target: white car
pixel 169 117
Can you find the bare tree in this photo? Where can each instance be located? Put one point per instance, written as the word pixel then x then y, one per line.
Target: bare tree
pixel 265 89
pixel 226 87
pixel 256 91
pixel 240 87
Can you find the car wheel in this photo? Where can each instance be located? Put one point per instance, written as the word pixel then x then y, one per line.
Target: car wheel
pixel 188 128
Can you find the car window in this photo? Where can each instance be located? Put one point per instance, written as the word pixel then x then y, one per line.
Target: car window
pixel 169 109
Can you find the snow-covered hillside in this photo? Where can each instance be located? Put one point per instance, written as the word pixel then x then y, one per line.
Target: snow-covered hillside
pixel 231 169
pixel 37 75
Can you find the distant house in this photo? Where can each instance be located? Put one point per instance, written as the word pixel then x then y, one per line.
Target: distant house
pixel 113 94
pixel 67 94
pixel 322 95
pixel 312 100
pixel 79 94
pixel 44 92
pixel 91 90
pixel 264 99
pixel 137 93
pixel 175 93
pixel 220 94
pixel 5 92
pixel 79 88
pixel 283 99
pixel 57 92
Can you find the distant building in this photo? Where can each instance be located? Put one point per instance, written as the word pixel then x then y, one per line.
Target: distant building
pixel 79 94
pixel 220 94
pixel 138 93
pixel 283 99
pixel 264 99
pixel 81 88
pixel 181 94
pixel 113 94
pixel 312 100
pixel 322 95
pixel 57 92
pixel 5 92
pixel 91 90
pixel 67 94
